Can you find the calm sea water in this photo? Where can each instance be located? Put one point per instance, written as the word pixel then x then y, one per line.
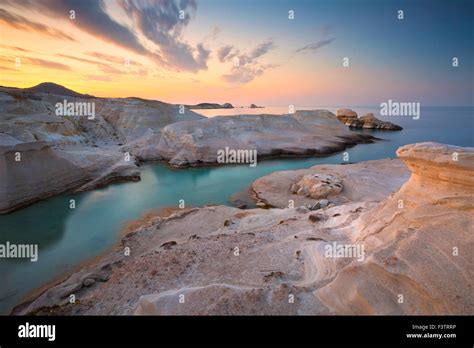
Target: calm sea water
pixel 68 237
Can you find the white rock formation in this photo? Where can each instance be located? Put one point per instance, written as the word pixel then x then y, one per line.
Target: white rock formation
pixel 43 154
pixel 413 256
pixel 305 133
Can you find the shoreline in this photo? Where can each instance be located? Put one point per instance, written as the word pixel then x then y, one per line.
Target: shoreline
pixel 174 252
pixel 93 261
pixel 135 178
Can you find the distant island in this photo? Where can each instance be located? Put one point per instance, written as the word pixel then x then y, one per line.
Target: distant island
pixel 210 106
pixel 220 106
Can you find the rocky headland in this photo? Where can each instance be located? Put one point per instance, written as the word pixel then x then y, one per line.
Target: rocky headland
pixel 44 153
pixel 405 227
pixel 368 121
pixel 304 133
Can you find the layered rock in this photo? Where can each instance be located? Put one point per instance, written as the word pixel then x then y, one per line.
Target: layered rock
pixel 61 153
pixel 365 181
pixel 305 133
pixel 145 130
pixel 345 115
pixel 368 121
pixel 32 171
pixel 318 185
pixel 414 251
pixel 419 241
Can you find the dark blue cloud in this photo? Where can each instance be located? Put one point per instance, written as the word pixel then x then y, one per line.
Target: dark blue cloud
pixel 162 22
pixel 314 46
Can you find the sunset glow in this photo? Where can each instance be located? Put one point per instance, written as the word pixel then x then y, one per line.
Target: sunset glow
pixel 282 61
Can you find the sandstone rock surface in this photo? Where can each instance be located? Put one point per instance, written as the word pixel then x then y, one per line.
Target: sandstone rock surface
pixel 365 181
pixel 78 152
pixel 43 154
pixel 318 185
pixel 420 249
pixel 305 133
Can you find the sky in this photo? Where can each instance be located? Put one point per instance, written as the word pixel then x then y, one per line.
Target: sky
pixel 266 52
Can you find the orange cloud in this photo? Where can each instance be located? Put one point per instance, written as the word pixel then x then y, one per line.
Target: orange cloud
pixel 21 23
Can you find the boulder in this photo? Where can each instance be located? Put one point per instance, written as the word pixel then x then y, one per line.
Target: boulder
pixel 346 115
pixel 370 181
pixel 368 121
pixel 318 185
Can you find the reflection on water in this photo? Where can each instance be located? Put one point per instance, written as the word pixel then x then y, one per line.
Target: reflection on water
pixel 67 237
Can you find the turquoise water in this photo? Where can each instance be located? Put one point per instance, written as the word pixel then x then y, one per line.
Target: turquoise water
pixel 67 236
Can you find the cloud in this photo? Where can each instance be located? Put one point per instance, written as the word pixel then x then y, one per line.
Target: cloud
pixel 101 66
pixel 212 34
pixel 162 22
pixel 158 21
pixel 313 47
pixel 108 68
pixel 16 48
pixel 46 63
pixel 262 49
pixel 7 69
pixel 224 52
pixel 21 23
pixel 110 58
pixel 84 60
pixel 98 78
pixel 249 66
pixel 243 74
pixel 246 74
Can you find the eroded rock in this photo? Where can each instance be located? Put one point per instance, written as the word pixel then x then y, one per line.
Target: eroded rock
pixel 318 186
pixel 368 121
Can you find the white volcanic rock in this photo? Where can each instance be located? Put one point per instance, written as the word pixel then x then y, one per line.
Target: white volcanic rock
pixel 419 240
pixel 43 171
pixel 416 256
pixel 60 153
pixel 306 133
pixel 147 130
pixel 365 181
pixel 318 185
pixel 32 117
